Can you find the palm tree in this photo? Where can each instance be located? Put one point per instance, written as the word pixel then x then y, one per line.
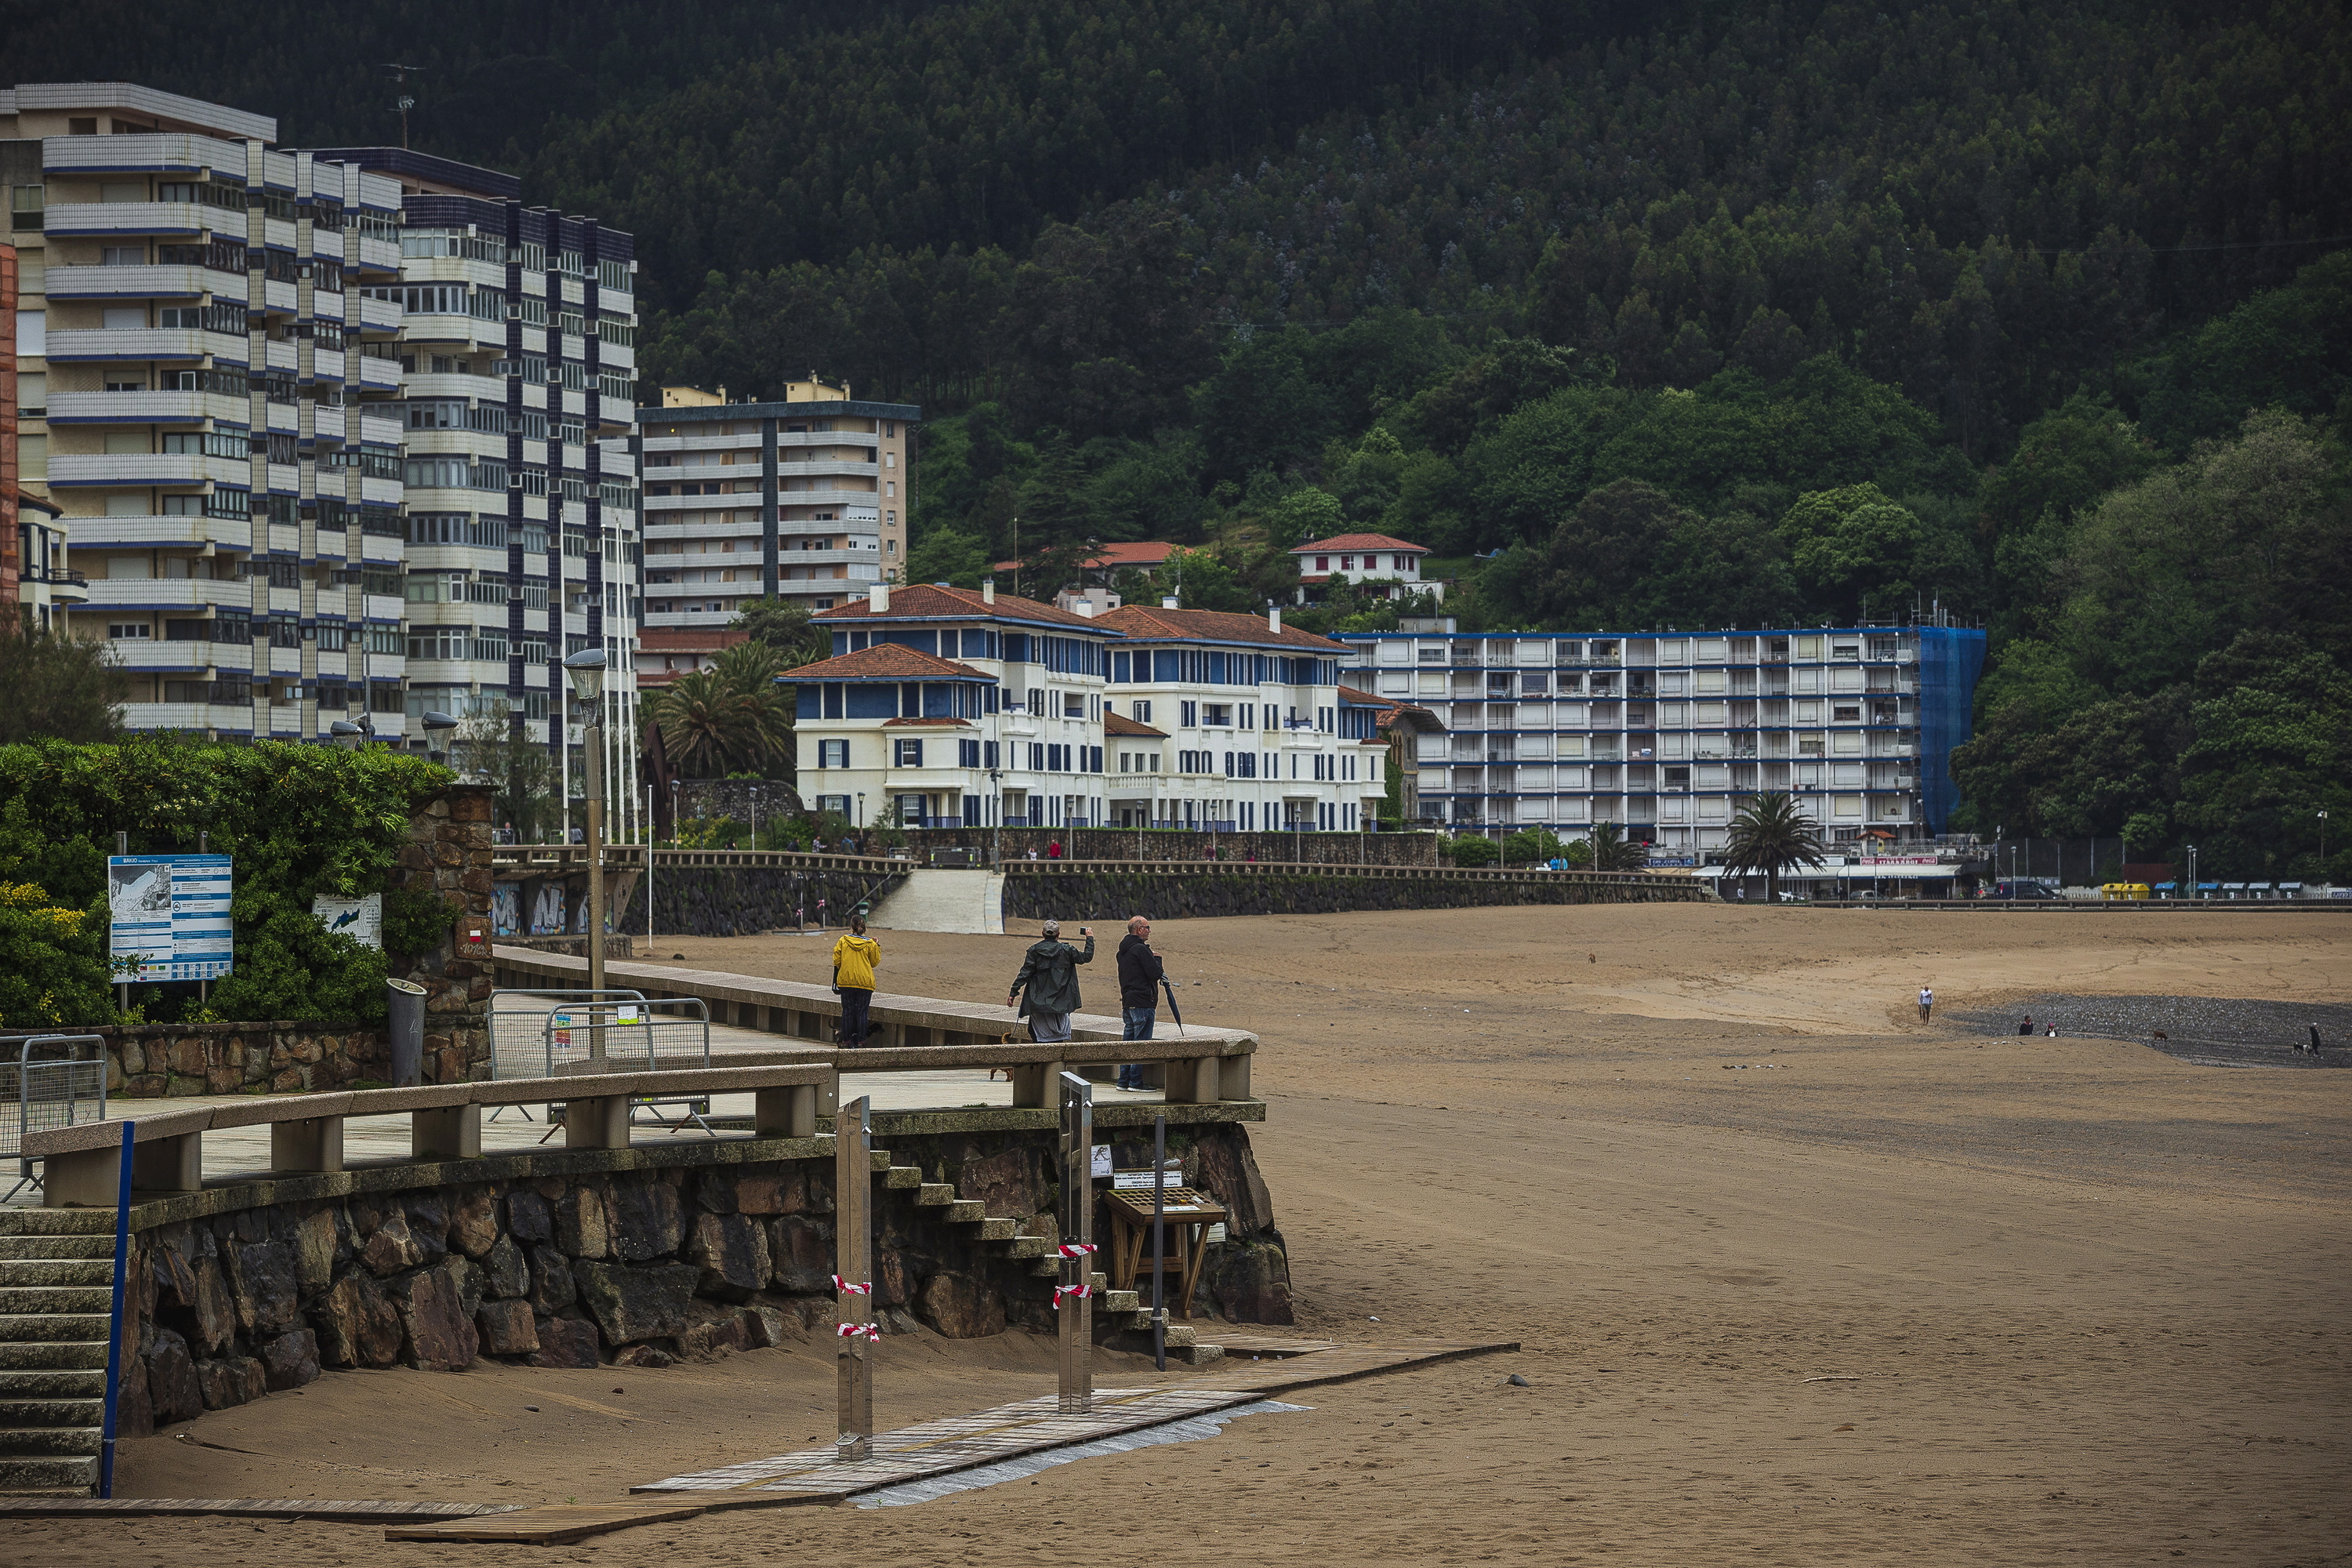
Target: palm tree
pixel 1771 831
pixel 1612 851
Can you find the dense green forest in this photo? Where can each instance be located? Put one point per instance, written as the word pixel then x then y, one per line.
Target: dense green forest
pixel 1732 313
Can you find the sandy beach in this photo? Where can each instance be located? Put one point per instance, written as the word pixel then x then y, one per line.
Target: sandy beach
pixel 1799 1279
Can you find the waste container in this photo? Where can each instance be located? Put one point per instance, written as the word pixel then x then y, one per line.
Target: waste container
pixel 407 999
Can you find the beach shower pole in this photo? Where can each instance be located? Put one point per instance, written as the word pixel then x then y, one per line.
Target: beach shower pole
pixel 852 1251
pixel 1074 1295
pixel 1158 1264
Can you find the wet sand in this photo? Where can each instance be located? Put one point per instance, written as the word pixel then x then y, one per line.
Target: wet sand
pixel 2069 1301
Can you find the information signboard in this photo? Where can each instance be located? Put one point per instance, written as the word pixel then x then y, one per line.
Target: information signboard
pixel 169 915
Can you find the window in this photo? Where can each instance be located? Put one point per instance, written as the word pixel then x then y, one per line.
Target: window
pixel 967 754
pixel 1322 563
pixel 127 631
pixel 908 753
pixel 1142 712
pixel 833 753
pixel 1187 715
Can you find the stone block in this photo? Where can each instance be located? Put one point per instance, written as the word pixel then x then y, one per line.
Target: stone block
pixel 262 1278
pixel 506 1328
pixel 215 1308
pixel 504 1272
pixel 647 1219
pixel 1250 1282
pixel 1226 1167
pixel 582 1229
pixel 765 1327
pixel 960 1307
pixel 428 1221
pixel 316 1239
pixel 644 1356
pixel 1011 1181
pixel 708 1339
pixel 173 1392
pixel 565 1343
pixel 290 1360
pixel 356 1323
pixel 731 1250
pixel 801 1255
pixel 633 1304
pixel 474 1222
pixel 528 1216
pixel 392 1249
pixel 231 1381
pixel 437 1331
pixel 552 1283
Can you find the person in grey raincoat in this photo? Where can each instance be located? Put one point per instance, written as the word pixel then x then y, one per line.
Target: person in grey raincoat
pixel 1047 986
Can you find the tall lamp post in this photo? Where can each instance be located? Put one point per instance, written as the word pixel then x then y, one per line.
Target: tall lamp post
pixel 2193 892
pixel 2322 844
pixel 585 671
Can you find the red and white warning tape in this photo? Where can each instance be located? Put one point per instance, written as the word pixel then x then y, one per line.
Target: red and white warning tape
pixel 851 1331
pixel 1062 1290
pixel 844 1288
pixel 1076 1249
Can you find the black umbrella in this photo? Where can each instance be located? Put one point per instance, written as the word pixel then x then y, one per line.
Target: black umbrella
pixel 1174 1010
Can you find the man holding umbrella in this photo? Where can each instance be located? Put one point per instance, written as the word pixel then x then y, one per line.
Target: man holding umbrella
pixel 1140 978
pixel 1046 989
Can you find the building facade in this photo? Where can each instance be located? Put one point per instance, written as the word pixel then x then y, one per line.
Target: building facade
pixel 521 542
pixel 1668 734
pixel 952 707
pixel 804 500
pixel 206 402
pixel 1392 564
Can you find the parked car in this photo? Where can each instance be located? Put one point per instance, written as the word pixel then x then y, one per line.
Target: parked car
pixel 2024 892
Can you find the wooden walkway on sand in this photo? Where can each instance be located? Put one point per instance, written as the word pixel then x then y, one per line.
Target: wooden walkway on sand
pixel 933 1448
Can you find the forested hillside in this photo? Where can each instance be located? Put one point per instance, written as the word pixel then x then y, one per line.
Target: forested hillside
pixel 1734 313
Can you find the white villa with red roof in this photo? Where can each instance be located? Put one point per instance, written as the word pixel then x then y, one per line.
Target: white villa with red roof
pixel 1392 564
pixel 951 707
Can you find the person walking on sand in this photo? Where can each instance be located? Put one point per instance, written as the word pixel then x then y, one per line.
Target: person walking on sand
pixel 1046 989
pixel 855 958
pixel 1927 1003
pixel 1139 992
pixel 1054 850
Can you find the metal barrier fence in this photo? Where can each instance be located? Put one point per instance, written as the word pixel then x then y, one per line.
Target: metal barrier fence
pixel 57 1089
pixel 519 1026
pixel 548 1033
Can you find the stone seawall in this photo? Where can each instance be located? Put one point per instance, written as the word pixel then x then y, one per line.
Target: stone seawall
pixel 150 1060
pixel 1014 844
pixel 1201 893
pixel 636 1256
pixel 746 900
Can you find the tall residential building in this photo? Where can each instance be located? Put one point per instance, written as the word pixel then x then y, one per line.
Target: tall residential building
pixel 805 500
pixel 1669 735
pixel 193 332
pixel 517 380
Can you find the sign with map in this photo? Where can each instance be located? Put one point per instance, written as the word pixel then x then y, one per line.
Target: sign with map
pixel 169 916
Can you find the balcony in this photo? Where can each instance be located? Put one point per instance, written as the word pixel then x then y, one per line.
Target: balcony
pixel 145 407
pixel 188 594
pixel 66 584
pixel 143 283
pixel 158 532
pixel 105 345
pixel 237 717
pixel 183 220
pixel 165 152
pixel 376 315
pixel 125 468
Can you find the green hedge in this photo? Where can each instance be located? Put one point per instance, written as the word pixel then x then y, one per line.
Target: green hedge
pixel 298 820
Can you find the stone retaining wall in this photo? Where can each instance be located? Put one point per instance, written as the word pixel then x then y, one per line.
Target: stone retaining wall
pixel 1414 848
pixel 635 1256
pixel 1202 892
pixel 149 1060
pixel 746 900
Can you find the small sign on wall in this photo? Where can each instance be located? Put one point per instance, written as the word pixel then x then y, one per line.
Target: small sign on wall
pixel 359 919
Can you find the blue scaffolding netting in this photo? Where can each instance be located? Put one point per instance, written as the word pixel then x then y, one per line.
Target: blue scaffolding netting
pixel 1950 659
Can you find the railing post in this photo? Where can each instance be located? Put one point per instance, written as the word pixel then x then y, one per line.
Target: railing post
pixel 114 1326
pixel 852 1251
pixel 1074 1295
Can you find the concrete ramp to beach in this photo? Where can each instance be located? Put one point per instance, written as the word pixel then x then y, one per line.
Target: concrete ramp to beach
pixel 970 903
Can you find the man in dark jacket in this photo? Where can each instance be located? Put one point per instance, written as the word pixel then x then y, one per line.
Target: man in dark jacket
pixel 1047 986
pixel 1139 992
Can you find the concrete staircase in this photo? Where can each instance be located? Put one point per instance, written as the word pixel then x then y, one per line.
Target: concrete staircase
pixel 57 1282
pixel 1122 1309
pixel 969 903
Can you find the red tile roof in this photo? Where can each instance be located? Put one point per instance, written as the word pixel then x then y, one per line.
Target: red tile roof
pixel 927 724
pixel 886 661
pixel 688 639
pixel 925 600
pixel 1212 626
pixel 1139 553
pixel 1118 724
pixel 1358 543
pixel 1393 709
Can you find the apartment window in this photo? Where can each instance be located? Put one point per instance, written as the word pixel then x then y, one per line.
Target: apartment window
pixel 833 753
pixel 908 753
pixel 1142 712
pixel 967 754
pixel 131 631
pixel 1188 714
pixel 1322 563
pixel 25 206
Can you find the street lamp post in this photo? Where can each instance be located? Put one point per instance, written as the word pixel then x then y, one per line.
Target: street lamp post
pixel 586 672
pixel 2192 868
pixel 2322 844
pixel 437 723
pixel 996 817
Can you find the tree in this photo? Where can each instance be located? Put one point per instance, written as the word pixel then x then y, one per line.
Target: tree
pixel 1768 834
pixel 1531 846
pixel 1612 851
pixel 732 716
pixel 1851 546
pixel 1304 515
pixel 948 555
pixel 59 687
pixel 523 770
pixel 784 625
pixel 1470 850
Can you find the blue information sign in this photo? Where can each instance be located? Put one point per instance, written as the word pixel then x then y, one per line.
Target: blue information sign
pixel 169 915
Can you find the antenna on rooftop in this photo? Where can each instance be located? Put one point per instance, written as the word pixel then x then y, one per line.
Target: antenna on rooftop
pixel 404 103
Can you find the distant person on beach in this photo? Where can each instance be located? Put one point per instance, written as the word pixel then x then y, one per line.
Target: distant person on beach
pixel 1139 992
pixel 1927 1003
pixel 2027 1026
pixel 1046 989
pixel 1054 850
pixel 2315 1039
pixel 855 958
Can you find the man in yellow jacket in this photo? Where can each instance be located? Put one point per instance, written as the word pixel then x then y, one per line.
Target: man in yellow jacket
pixel 855 958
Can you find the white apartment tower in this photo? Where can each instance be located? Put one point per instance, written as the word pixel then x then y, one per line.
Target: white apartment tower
pixel 803 499
pixel 193 332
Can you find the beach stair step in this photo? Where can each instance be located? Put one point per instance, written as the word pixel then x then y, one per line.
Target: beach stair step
pixel 17 1272
pixel 935 1194
pixel 903 1176
pixel 62 1328
pixel 47 1383
pixel 73 1474
pixel 40 1301
pixel 33 1353
pixel 994 1229
pixel 18 1414
pixel 92 1246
